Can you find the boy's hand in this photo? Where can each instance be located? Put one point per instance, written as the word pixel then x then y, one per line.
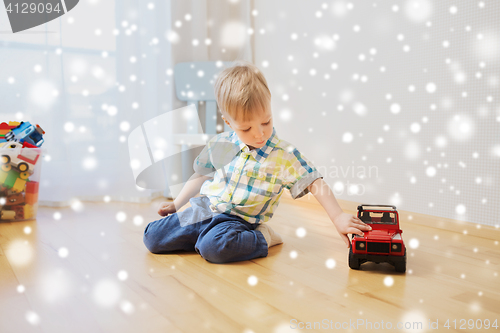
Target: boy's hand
pixel 349 224
pixel 166 208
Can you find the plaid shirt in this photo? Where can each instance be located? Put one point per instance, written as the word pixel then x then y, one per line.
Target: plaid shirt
pixel 249 183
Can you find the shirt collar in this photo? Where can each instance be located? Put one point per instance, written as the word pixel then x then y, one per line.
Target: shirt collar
pixel 259 153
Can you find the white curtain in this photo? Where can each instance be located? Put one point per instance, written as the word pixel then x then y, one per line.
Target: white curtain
pixel 91 76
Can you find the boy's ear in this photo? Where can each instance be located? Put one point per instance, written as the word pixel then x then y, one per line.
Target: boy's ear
pixel 227 122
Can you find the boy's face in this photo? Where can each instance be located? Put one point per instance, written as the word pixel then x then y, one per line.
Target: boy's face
pixel 255 132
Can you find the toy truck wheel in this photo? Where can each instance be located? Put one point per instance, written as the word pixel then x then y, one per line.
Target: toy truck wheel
pixel 353 262
pixel 23 167
pixel 401 266
pixel 5 159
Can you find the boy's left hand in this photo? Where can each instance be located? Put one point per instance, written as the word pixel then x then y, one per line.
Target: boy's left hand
pixel 349 224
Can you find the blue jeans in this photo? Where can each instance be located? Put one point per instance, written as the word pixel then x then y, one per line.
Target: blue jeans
pixel 218 239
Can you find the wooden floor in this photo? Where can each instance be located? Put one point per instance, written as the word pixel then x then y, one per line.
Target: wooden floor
pixel 89 272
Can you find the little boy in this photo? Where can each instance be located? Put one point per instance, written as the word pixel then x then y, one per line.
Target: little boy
pixel 242 175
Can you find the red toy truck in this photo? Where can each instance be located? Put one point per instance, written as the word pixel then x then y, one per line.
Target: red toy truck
pixel 381 244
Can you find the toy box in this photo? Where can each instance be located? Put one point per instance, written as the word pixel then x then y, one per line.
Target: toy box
pixel 20 168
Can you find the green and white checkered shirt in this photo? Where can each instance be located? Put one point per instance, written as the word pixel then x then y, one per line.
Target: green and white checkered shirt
pixel 249 183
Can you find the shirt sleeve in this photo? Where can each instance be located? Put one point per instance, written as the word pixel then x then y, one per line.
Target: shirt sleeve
pixel 299 173
pixel 217 153
pixel 203 163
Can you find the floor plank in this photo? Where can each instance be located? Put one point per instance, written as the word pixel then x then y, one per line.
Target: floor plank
pixel 109 282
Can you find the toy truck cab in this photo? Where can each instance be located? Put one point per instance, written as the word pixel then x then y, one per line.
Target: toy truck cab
pixel 25 132
pixel 14 154
pixel 383 243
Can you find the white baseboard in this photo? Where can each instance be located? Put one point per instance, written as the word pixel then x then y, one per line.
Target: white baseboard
pixel 442 223
pixel 66 203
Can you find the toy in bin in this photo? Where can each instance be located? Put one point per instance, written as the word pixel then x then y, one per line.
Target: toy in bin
pixel 383 243
pixel 25 132
pixel 20 156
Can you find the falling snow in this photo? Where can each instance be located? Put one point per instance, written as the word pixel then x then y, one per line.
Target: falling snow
pixel 413 92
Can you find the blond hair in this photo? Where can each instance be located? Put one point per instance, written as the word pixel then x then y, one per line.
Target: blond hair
pixel 241 91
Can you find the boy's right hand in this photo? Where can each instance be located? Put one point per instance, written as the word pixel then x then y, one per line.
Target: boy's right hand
pixel 166 208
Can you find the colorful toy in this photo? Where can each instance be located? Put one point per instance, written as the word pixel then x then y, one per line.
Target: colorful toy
pixel 26 132
pixel 19 210
pixel 29 211
pixel 23 159
pixel 14 198
pixel 7 215
pixel 383 243
pixel 13 179
pixel 6 128
pixel 31 193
